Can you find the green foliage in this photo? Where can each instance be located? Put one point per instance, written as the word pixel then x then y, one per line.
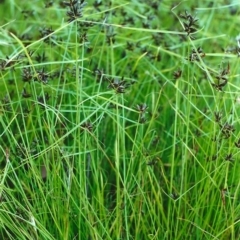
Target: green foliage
pixel 119 120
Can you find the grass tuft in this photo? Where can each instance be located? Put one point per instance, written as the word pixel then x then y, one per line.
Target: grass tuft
pixel 119 120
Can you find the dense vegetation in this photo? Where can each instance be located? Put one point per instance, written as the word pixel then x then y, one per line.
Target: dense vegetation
pixel 119 119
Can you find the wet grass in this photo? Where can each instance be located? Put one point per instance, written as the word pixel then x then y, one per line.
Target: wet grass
pixel 119 120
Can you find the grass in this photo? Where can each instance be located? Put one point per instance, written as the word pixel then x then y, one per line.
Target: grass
pixel 119 120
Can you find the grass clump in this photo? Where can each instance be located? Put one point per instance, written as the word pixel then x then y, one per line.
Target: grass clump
pixel 119 120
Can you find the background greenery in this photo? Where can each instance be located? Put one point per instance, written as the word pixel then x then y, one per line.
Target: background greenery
pixel 119 120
